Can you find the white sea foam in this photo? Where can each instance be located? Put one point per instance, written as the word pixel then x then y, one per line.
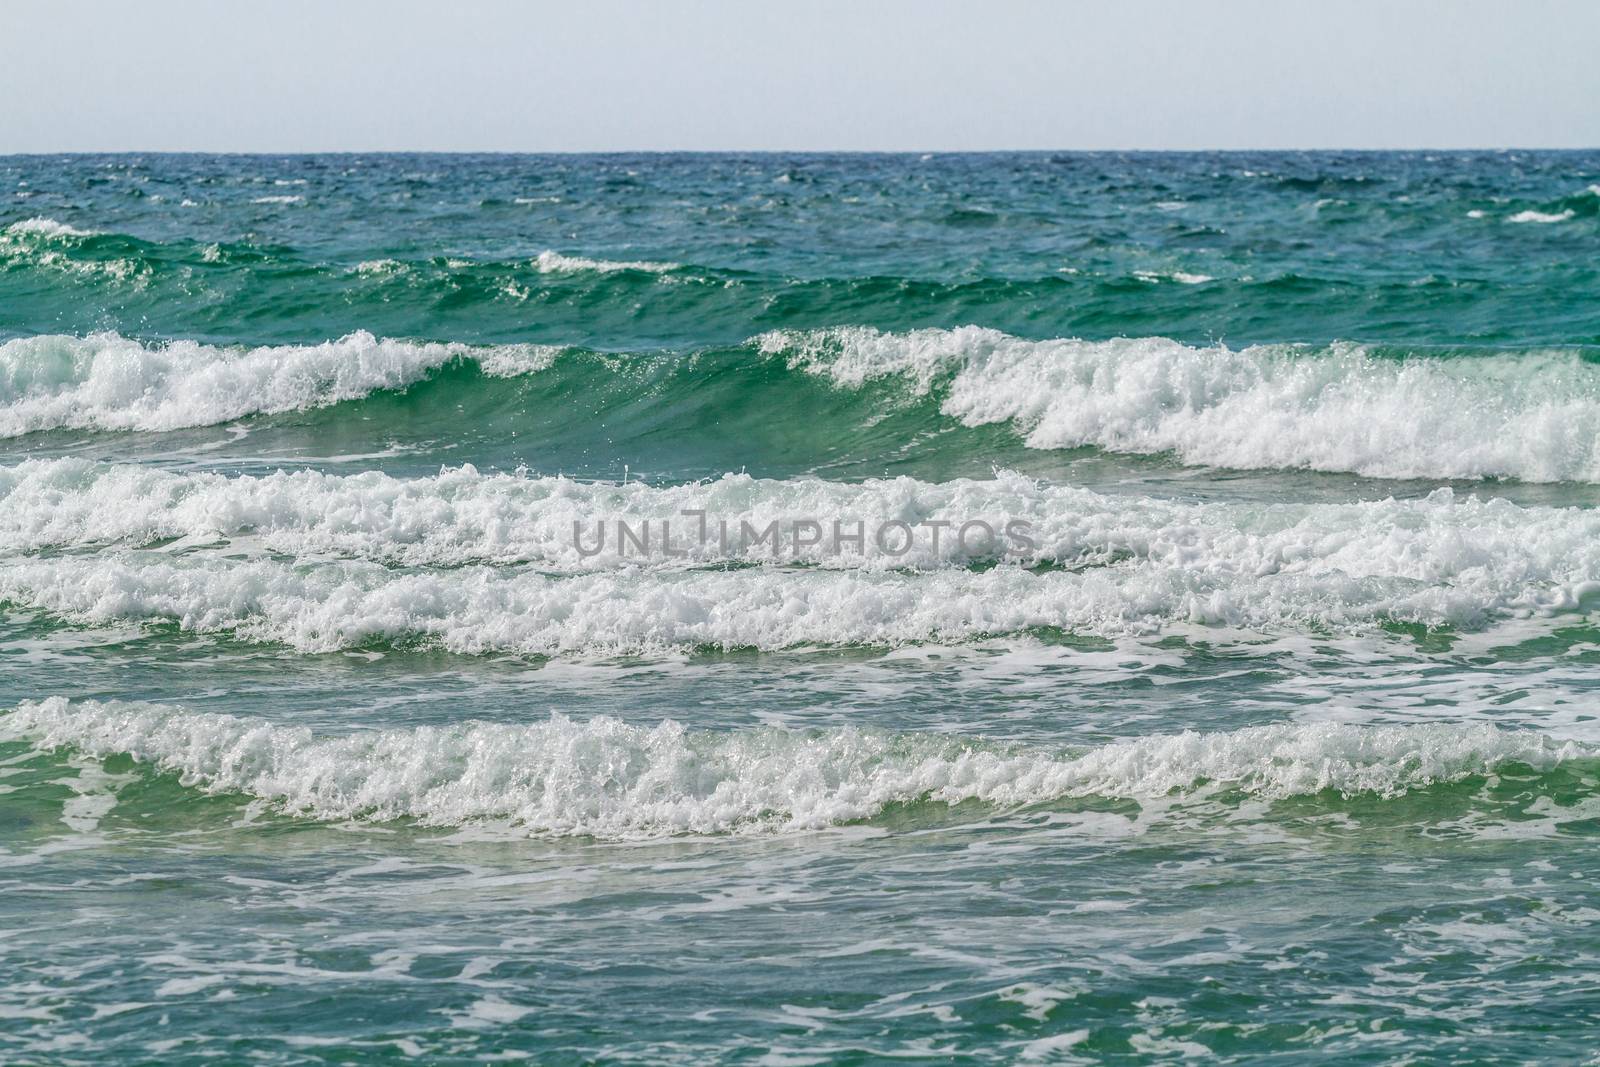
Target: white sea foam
pixel 1541 216
pixel 549 262
pixel 1307 579
pixel 285 198
pixel 1184 277
pixel 1533 416
pixel 45 228
pixel 1489 553
pixel 109 382
pixel 1130 565
pixel 606 778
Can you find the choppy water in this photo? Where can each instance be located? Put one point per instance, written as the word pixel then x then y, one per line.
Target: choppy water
pixel 333 735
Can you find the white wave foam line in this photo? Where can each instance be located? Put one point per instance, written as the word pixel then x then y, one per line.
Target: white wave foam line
pixel 463 516
pixel 550 262
pixel 1486 552
pixel 323 606
pixel 1183 277
pixel 605 778
pixel 1534 417
pixel 108 382
pixel 44 228
pixel 1542 217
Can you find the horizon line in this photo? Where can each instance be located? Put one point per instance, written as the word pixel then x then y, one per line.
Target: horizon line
pixel 779 151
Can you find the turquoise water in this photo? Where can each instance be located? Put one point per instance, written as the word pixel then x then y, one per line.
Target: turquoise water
pixel 343 725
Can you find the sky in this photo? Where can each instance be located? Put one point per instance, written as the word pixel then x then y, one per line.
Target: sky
pixel 605 75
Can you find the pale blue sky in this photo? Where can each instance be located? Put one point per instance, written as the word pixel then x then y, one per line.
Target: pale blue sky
pixel 603 75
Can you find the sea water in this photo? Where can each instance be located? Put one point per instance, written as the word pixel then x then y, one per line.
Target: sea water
pixel 799 609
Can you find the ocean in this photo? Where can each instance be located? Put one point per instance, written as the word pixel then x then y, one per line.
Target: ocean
pixel 800 609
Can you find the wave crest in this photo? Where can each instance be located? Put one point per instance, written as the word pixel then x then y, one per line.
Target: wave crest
pixel 605 778
pixel 1532 416
pixel 551 262
pixel 45 229
pixel 323 606
pixel 109 382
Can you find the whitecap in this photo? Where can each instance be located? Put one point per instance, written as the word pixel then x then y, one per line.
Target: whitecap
pixel 1181 276
pixel 549 262
pixel 1534 416
pixel 1176 587
pixel 45 228
pixel 1541 216
pixel 606 778
pixel 109 382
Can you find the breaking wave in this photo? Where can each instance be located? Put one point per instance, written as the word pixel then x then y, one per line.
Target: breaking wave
pixel 605 778
pixel 324 606
pixel 1532 416
pixel 109 382
pixel 462 516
